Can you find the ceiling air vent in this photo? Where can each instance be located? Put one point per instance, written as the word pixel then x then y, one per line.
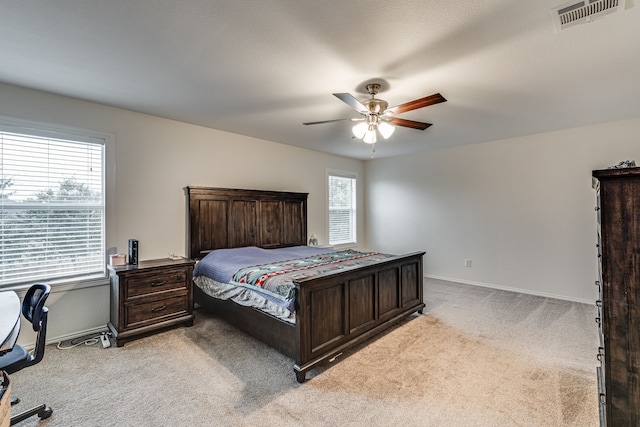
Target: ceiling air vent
pixel 584 11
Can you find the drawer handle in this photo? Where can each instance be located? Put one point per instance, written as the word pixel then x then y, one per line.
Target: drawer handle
pixel 599 303
pixel 600 353
pixel 598 320
pixel 156 284
pixel 157 309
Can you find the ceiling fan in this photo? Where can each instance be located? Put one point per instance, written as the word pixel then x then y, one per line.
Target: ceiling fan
pixel 377 117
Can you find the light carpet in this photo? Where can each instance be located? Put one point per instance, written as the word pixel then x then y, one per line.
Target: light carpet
pixel 478 357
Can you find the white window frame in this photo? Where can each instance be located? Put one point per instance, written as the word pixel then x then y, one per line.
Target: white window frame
pixel 39 129
pixel 353 241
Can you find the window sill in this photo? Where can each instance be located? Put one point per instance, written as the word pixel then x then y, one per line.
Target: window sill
pixel 63 285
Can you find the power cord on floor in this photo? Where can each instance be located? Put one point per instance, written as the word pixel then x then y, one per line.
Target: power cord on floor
pixel 86 340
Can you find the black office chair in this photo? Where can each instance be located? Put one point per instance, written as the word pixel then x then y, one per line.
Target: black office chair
pixel 34 311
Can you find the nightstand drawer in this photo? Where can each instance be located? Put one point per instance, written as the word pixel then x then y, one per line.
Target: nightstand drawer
pixel 157 281
pixel 139 314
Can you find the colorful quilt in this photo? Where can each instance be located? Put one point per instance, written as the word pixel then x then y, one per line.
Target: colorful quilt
pixel 278 278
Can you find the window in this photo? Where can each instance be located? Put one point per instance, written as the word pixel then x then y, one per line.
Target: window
pixel 342 208
pixel 52 206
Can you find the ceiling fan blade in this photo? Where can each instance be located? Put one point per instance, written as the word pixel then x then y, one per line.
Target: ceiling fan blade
pixel 331 121
pixel 352 102
pixel 436 98
pixel 409 123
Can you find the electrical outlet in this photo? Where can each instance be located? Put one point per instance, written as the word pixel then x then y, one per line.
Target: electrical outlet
pixel 467 263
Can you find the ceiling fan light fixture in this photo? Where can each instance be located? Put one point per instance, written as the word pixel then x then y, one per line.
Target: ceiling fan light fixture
pixel 360 129
pixel 370 136
pixel 386 129
pixel 377 116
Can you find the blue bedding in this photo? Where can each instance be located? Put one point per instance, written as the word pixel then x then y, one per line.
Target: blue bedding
pixel 220 265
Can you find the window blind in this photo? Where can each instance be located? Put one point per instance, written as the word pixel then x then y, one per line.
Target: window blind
pixel 342 209
pixel 52 209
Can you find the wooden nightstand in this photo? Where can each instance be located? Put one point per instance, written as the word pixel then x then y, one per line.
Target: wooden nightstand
pixel 153 295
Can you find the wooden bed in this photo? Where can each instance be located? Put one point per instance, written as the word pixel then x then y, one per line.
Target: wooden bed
pixel 335 311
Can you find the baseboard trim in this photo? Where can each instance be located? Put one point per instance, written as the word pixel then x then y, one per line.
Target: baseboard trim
pixel 509 289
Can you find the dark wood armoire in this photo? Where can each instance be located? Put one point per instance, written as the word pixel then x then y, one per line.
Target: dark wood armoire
pixel 618 211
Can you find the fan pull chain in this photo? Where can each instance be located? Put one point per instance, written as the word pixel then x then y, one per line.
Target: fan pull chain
pixel 373 150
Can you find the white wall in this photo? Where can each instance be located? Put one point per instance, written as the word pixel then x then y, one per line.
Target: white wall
pixel 521 209
pixel 155 159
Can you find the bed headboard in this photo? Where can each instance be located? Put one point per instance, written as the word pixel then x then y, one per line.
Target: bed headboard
pixel 220 218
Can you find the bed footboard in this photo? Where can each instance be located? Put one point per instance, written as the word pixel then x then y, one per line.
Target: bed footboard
pixel 338 311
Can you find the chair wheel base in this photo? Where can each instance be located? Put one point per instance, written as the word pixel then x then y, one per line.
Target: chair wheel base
pixel 43 412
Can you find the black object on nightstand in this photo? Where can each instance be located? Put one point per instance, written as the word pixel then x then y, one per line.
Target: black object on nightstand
pixel 151 296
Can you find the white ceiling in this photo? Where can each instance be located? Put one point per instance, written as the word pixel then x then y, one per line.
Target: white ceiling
pixel 262 68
